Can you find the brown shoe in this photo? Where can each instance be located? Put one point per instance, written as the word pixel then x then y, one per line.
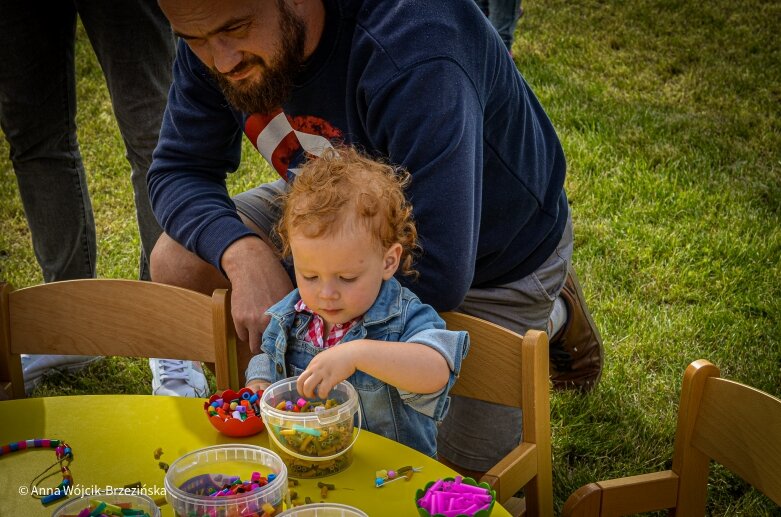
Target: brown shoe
pixel 576 354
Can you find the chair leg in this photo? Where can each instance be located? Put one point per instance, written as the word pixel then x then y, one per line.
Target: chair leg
pixel 516 506
pixel 3 393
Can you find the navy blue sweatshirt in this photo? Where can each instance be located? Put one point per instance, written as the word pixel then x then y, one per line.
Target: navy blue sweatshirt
pixel 428 85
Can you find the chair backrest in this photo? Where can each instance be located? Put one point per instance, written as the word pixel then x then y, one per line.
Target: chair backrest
pixel 731 423
pixel 116 318
pixel 721 420
pixel 505 368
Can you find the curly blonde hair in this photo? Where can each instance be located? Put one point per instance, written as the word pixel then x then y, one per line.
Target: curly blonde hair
pixel 344 189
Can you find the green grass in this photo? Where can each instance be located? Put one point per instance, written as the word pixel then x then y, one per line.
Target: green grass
pixel 668 112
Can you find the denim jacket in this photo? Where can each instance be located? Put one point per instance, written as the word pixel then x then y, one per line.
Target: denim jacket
pixel 396 315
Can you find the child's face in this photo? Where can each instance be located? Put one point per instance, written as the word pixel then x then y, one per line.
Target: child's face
pixel 339 275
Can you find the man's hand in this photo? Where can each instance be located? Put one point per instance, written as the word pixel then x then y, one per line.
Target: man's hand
pixel 326 370
pixel 258 281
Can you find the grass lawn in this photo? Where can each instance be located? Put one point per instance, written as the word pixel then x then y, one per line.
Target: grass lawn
pixel 670 115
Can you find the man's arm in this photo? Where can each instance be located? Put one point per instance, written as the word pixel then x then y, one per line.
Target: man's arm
pixel 200 141
pixel 258 281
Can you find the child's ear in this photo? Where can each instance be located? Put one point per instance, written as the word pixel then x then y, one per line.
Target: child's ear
pixel 391 261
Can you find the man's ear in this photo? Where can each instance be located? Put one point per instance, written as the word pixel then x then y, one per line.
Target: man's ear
pixel 391 261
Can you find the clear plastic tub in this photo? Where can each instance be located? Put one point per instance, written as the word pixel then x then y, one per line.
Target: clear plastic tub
pixel 312 444
pixel 136 501
pixel 323 510
pixel 191 478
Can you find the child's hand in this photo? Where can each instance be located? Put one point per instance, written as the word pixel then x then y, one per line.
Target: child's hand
pixel 257 385
pixel 326 370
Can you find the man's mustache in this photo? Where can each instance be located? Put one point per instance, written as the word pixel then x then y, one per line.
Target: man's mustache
pixel 242 66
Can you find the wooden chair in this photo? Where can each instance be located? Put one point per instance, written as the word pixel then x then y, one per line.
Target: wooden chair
pixel 731 423
pixel 115 317
pixel 505 368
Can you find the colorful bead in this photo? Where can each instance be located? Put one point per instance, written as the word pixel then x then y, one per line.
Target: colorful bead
pixel 235 409
pixel 236 486
pixel 306 406
pixel 455 498
pixel 307 430
pixel 37 443
pixel 64 455
pixel 389 476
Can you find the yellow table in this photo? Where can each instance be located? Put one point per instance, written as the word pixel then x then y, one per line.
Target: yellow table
pixel 114 437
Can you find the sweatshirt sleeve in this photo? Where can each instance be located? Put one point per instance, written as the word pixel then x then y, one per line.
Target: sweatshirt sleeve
pixel 440 143
pixel 200 142
pixel 260 368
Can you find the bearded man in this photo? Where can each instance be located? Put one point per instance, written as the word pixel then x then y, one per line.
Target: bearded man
pixel 428 86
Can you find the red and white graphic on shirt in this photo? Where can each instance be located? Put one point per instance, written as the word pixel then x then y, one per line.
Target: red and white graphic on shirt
pixel 285 141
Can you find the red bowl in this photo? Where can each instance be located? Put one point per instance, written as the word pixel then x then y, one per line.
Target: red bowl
pixel 232 426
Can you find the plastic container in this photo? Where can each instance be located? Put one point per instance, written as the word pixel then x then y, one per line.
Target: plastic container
pixel 191 477
pixel 312 444
pixel 137 502
pixel 324 510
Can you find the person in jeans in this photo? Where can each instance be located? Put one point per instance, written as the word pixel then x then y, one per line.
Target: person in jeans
pixel 135 47
pixel 425 85
pixel 503 15
pixel 348 228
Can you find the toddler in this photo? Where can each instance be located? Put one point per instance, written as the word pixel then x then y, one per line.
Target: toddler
pixel 348 228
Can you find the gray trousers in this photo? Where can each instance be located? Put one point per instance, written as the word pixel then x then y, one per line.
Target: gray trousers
pixel 476 434
pixel 135 47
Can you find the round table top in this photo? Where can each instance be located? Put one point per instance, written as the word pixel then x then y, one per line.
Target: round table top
pixel 114 439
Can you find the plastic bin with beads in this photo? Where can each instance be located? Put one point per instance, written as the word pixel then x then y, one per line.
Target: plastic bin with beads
pixel 316 439
pixel 232 480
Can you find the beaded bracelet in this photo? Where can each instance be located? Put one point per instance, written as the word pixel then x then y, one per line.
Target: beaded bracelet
pixel 64 455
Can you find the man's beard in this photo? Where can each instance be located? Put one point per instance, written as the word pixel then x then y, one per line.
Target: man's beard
pixel 276 81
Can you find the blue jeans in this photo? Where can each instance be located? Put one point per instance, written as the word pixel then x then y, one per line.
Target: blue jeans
pixel 135 47
pixel 503 15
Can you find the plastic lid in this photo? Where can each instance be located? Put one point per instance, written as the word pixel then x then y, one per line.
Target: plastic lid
pixel 199 461
pixel 343 392
pixel 138 501
pixel 324 510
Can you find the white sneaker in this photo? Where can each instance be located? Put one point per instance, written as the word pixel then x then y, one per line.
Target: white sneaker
pixel 35 367
pixel 178 378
